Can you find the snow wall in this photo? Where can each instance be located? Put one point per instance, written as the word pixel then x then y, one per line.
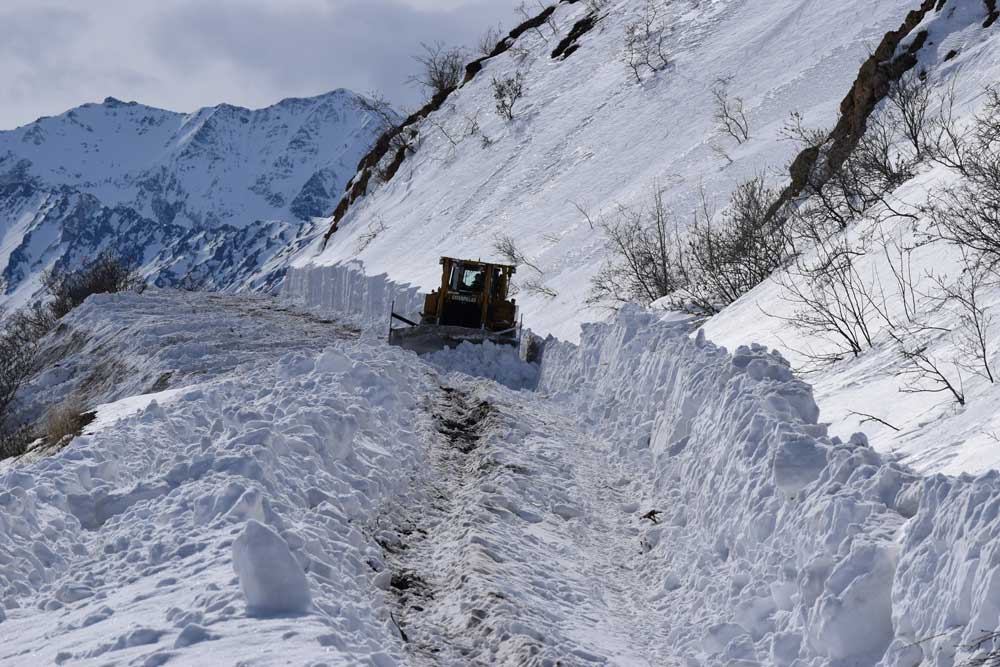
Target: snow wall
pixel 778 544
pixel 346 290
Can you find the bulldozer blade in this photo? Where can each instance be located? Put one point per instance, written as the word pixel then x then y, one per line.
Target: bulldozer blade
pixel 423 339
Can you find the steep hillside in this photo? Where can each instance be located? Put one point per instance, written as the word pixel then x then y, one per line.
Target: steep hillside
pixel 589 137
pixel 587 134
pixel 213 194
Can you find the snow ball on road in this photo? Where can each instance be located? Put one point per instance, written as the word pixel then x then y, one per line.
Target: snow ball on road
pixel 270 577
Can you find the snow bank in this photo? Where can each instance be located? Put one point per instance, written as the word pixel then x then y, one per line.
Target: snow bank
pixel 346 290
pixel 778 543
pixel 277 456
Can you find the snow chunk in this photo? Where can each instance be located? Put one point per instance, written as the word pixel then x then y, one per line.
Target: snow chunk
pixel 797 463
pixel 500 363
pixel 271 579
pixel 193 634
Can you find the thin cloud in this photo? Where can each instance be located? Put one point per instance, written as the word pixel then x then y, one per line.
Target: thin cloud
pixel 182 54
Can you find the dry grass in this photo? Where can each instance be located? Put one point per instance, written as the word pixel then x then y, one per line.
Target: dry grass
pixel 66 421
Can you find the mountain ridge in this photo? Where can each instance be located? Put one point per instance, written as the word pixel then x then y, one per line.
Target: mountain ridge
pixel 177 191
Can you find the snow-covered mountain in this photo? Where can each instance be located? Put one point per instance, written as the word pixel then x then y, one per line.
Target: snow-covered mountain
pixel 212 194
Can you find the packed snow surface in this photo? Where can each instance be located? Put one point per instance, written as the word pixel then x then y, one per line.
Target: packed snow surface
pixel 304 494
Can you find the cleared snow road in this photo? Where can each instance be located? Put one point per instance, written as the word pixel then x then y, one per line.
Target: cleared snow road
pixel 474 519
pixel 528 549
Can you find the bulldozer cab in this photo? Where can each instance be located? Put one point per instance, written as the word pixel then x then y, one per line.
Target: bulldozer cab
pixel 472 295
pixel 471 304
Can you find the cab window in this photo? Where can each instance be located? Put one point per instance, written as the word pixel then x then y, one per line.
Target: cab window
pixel 468 279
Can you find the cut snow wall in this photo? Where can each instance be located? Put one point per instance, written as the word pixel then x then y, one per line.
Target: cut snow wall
pixel 776 542
pixel 345 290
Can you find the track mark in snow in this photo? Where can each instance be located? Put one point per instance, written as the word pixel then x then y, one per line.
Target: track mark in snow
pixel 520 552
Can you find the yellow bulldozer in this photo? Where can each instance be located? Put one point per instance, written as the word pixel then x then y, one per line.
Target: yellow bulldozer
pixel 471 305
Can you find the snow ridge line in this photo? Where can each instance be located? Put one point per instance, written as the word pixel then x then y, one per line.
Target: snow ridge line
pixel 789 543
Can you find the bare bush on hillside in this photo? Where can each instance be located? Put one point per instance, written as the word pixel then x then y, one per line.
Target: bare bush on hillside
pixel 20 333
pixel 399 139
pixel 441 68
pixel 730 116
pixel 489 40
pixel 535 286
pixel 17 357
pixel 909 97
pixel 969 214
pixel 646 255
pixel 507 91
pixel 833 301
pixel 975 320
pixel 526 14
pixel 925 372
pixel 107 273
pixel 506 247
pixel 375 229
pixel 646 42
pixel 728 258
pixel 65 421
pixel 948 139
pixel 797 131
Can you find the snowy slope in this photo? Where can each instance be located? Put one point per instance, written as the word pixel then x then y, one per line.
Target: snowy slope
pixel 215 193
pixel 932 431
pixel 588 134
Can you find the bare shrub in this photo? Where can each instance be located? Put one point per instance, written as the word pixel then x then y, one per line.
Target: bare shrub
pixel 909 97
pixel 974 317
pixel 969 214
pixel 833 301
pixel 489 40
pixel 948 140
pixel 378 106
pixel 19 339
pixel 535 286
pixel 526 15
pixel 926 374
pixel 441 68
pixel 796 130
pixel 507 91
pixel 17 359
pixel 505 246
pixel 646 259
pixel 108 273
pixel 399 140
pixel 375 228
pixel 728 259
pixel 15 439
pixel 730 116
pixel 645 42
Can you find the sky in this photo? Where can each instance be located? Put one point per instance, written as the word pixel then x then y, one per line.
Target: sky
pixel 185 54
